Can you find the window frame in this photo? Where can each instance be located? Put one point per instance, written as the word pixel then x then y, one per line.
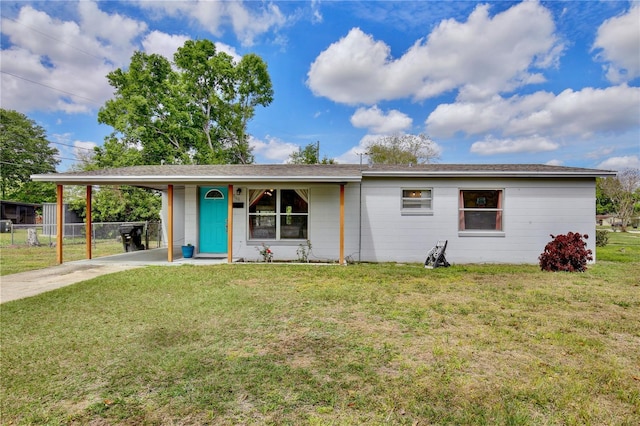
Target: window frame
pixel 498 230
pixel 416 211
pixel 278 215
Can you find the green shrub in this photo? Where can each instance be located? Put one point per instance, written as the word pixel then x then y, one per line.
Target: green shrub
pixel 602 238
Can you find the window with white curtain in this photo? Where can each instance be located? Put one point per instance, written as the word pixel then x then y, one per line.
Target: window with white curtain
pixel 278 214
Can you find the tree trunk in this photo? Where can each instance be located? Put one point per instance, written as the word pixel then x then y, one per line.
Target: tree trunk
pixel 32 238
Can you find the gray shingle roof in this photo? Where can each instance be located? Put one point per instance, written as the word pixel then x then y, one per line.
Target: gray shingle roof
pixel 158 176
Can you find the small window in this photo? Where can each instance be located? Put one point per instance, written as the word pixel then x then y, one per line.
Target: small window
pixel 480 210
pixel 214 194
pixel 417 201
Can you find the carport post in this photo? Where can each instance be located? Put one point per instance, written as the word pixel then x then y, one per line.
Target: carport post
pixel 88 229
pixel 230 225
pixel 170 224
pixel 59 224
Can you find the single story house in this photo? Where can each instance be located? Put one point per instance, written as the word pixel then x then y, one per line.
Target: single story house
pixel 19 213
pixel 488 213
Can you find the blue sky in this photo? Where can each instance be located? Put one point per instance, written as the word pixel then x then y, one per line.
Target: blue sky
pixel 490 82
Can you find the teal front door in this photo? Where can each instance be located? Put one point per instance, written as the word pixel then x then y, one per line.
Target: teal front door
pixel 213 219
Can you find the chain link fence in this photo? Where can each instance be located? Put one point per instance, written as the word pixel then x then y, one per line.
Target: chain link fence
pixel 75 233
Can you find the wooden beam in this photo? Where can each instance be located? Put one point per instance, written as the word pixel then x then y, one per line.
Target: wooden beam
pixel 59 223
pixel 170 223
pixel 342 223
pixel 88 224
pixel 230 225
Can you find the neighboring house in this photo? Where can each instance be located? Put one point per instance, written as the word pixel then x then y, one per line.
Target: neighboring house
pixel 19 213
pixel 488 213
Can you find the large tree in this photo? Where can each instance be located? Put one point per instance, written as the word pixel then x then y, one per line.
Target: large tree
pixel 403 149
pixel 194 112
pixel 624 193
pixel 24 150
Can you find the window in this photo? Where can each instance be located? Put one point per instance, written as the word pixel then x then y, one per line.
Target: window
pixel 278 214
pixel 214 194
pixel 417 201
pixel 480 210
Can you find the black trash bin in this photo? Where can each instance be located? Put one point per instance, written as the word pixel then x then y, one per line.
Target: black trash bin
pixel 132 237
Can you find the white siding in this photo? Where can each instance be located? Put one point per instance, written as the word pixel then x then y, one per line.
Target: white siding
pixel 178 218
pixel 191 235
pixel 240 225
pixel 533 209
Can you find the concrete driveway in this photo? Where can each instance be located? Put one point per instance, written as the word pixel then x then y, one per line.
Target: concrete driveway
pixel 31 283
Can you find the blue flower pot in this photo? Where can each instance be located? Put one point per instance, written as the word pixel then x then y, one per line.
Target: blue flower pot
pixel 187 251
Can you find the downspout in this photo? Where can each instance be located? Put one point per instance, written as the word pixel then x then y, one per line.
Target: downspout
pixel 360 226
pixel 230 224
pixel 341 250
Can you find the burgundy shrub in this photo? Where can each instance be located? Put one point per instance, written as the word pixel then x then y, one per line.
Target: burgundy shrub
pixel 566 253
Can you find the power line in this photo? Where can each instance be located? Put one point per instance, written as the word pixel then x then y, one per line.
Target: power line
pixel 51 87
pixel 72 146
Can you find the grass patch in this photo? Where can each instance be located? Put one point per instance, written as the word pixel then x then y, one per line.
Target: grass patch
pixel 19 257
pixel 374 344
pixel 622 247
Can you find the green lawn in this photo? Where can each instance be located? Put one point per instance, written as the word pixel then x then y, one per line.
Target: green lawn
pixel 622 247
pixel 363 344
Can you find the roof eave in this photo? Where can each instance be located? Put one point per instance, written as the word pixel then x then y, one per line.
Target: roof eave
pixel 169 180
pixel 486 174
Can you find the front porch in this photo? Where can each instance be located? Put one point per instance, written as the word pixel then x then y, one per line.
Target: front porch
pixel 153 257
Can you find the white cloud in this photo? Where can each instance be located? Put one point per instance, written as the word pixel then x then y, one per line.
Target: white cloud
pixel 273 150
pixel 167 44
pixel 315 10
pixel 376 121
pixel 356 153
pixel 621 163
pixel 68 74
pixel 619 41
pixel 571 113
pixel 352 70
pixel 554 163
pixel 248 24
pixel 229 50
pixel 248 20
pixel 602 151
pixel 116 32
pixel 55 65
pixel 163 44
pixel 533 144
pixel 480 57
